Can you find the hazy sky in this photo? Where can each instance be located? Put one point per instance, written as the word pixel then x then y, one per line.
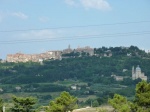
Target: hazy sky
pixel 34 26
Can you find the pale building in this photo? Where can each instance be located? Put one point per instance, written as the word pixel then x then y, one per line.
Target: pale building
pixel 86 49
pixel 19 57
pixel 68 50
pixel 18 88
pixel 1 90
pixel 136 73
pixel 74 87
pixel 117 78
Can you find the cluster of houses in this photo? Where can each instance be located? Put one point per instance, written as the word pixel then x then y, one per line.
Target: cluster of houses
pixel 17 88
pixel 58 54
pixel 20 57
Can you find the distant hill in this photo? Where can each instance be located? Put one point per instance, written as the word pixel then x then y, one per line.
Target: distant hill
pixel 78 66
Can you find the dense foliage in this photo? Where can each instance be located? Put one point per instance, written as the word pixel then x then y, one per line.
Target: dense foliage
pixel 22 104
pixel 120 103
pixel 140 104
pixel 1 105
pixel 64 103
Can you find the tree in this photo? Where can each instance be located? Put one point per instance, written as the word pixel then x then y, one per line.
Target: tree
pixel 140 104
pixel 120 103
pixel 1 105
pixel 142 97
pixel 64 103
pixel 95 103
pixel 22 104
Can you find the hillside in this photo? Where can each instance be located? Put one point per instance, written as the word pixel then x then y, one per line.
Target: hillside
pixel 105 62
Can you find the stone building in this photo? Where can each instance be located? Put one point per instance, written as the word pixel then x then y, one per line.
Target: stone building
pixel 68 50
pixel 136 73
pixel 117 78
pixel 18 57
pixel 86 49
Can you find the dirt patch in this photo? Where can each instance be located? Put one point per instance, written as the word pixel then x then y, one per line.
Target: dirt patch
pixel 98 109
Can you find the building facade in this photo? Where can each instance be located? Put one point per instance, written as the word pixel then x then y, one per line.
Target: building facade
pixel 137 73
pixel 20 57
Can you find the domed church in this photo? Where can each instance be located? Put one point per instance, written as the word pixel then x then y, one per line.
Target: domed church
pixel 136 73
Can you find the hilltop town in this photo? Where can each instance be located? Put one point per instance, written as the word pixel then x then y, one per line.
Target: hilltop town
pixel 78 52
pixel 131 51
pixel 98 54
pixel 20 57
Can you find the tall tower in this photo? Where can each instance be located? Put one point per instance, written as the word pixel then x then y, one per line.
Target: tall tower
pixel 133 73
pixel 69 46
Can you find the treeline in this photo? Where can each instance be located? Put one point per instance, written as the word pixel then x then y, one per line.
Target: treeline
pixel 122 51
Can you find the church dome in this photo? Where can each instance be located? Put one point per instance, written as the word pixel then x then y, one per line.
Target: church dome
pixel 138 68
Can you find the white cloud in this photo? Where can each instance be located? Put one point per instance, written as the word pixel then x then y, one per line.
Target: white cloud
pixel 43 19
pixel 96 4
pixel 6 14
pixel 90 4
pixel 19 15
pixel 70 2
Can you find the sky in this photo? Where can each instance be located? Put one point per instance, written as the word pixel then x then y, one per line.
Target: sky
pixel 36 26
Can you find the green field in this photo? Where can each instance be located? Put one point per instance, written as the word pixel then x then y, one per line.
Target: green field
pixel 97 90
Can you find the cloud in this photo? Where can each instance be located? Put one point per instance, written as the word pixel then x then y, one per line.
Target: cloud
pixel 5 14
pixel 102 5
pixel 96 4
pixel 43 19
pixel 19 15
pixel 70 2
